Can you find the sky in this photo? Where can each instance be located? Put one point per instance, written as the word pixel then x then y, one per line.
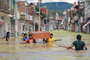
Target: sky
pixel 44 1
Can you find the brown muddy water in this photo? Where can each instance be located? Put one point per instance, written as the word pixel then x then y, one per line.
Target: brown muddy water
pixel 13 50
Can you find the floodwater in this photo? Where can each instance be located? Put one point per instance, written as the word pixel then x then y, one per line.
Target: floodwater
pixel 13 50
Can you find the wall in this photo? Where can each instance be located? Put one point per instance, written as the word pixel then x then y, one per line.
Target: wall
pixel 87 28
pixel 1 31
pixel 7 25
pixel 4 4
pixel 73 27
pixel 12 27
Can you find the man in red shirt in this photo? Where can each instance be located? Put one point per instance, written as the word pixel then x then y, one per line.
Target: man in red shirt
pixel 30 40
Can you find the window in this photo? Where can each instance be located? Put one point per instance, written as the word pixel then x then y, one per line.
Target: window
pixel 23 27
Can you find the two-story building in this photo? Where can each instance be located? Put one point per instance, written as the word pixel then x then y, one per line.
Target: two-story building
pixel 87 15
pixel 23 19
pixel 5 22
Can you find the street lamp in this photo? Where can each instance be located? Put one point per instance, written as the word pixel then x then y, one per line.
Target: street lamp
pixel 16 18
pixel 39 14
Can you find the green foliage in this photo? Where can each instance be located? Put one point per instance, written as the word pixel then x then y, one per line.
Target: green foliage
pixel 36 8
pixel 53 5
pixel 75 13
pixel 12 7
pixel 50 13
pixel 41 13
pixel 80 11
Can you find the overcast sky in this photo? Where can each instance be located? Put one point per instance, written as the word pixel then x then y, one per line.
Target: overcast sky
pixel 69 1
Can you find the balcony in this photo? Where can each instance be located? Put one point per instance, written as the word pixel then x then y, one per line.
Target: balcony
pixel 29 17
pixel 12 11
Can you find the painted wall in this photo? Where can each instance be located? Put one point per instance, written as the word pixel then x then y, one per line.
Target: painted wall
pixel 73 27
pixel 8 25
pixel 12 28
pixel 1 31
pixel 88 29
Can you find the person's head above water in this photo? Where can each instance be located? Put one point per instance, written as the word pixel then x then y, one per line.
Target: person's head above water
pixel 25 35
pixel 51 35
pixel 30 36
pixel 79 37
pixel 8 33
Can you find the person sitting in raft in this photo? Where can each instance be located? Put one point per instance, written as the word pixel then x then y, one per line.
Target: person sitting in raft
pixel 30 40
pixel 51 39
pixel 79 45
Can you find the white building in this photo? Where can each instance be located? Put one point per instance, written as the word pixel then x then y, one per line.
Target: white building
pixel 2 26
pixel 65 19
pixel 87 14
pixel 57 16
pixel 5 25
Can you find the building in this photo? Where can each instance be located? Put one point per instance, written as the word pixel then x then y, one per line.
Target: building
pixel 79 16
pixel 29 9
pixel 44 10
pixel 59 22
pixel 74 17
pixel 87 15
pixel 5 22
pixel 12 7
pixel 2 25
pixel 65 19
pixel 23 18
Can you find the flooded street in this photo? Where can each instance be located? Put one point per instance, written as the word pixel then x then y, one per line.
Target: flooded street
pixel 13 50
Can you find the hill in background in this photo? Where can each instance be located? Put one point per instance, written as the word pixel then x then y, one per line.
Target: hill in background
pixel 58 6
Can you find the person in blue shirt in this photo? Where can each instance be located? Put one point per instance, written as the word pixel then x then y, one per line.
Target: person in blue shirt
pixel 25 37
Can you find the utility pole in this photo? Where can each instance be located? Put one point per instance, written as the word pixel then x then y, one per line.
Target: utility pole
pixel 70 19
pixel 79 16
pixel 39 15
pixel 34 16
pixel 16 23
pixel 46 16
pixel 26 28
pixel 85 9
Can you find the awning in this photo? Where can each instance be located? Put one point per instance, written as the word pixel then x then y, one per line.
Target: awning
pixel 12 18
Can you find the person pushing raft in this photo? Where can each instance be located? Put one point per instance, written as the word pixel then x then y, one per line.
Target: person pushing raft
pixel 51 39
pixel 29 40
pixel 79 45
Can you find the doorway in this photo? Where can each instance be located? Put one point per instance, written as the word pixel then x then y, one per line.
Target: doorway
pixel 1 31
